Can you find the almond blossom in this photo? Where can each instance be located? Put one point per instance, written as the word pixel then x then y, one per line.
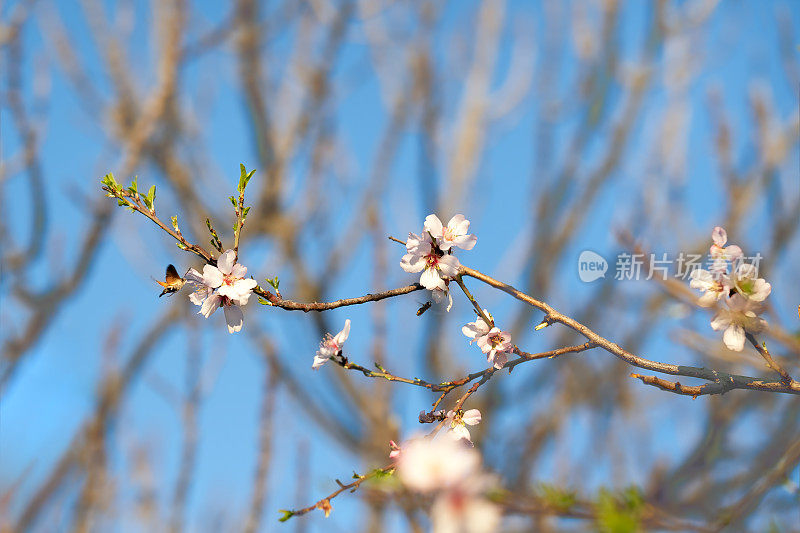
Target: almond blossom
pixel 424 256
pixel 331 346
pixel 496 344
pixel 491 340
pixel 715 285
pixel 479 328
pixel 454 234
pixel 228 277
pixel 452 472
pixel 742 289
pixel 200 291
pixel 458 422
pixel 427 465
pixel 223 286
pixel 740 316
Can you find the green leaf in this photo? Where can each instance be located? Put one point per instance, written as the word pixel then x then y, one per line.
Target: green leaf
pixel 175 222
pixel 618 514
pixel 244 178
pixel 558 498
pixel 151 197
pixel 286 515
pixel 245 211
pixel 275 282
pixel 233 200
pixel 109 181
pixel 181 245
pixel 380 473
pixel 133 188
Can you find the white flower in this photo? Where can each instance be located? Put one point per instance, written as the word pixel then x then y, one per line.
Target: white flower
pixel 458 422
pixel 716 285
pixel 740 316
pixel 228 277
pixel 428 465
pixel 496 344
pixel 424 256
pixel 452 471
pixel 749 285
pixel 491 340
pixel 200 291
pixel 331 346
pixel 231 289
pixel 477 329
pixel 454 234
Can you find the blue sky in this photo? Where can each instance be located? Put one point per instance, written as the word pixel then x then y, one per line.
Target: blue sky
pixel 54 388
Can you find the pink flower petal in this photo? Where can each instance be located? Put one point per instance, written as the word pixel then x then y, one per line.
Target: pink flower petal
pixel 471 417
pixel 430 279
pixel 234 317
pixel 226 261
pixel 212 276
pixel 734 338
pixel 719 236
pixel 433 225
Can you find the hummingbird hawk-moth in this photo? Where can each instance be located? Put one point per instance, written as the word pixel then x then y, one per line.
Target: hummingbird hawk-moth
pixel 172 282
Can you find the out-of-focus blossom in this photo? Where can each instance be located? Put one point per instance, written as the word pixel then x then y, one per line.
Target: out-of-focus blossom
pixel 454 234
pixel 331 346
pixel 740 316
pixel 427 465
pixel 425 257
pixel 451 471
pixel 461 510
pixel 458 422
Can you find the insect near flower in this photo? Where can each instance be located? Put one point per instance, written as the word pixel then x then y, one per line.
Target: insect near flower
pixel 424 308
pixel 172 283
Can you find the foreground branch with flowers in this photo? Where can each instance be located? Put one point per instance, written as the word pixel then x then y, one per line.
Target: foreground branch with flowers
pixel 442 464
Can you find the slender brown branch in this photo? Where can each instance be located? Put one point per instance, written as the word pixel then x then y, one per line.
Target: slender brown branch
pixel 290 305
pixel 474 302
pixel 724 380
pixel 762 350
pixel 135 202
pixel 325 503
